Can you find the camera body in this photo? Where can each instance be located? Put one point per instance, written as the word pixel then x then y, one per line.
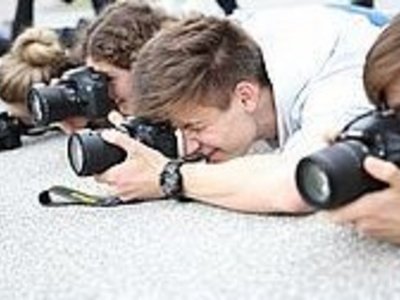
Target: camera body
pixel 335 176
pixel 89 154
pixel 10 132
pixel 79 92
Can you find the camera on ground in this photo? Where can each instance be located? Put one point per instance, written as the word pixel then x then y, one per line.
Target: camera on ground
pixel 10 132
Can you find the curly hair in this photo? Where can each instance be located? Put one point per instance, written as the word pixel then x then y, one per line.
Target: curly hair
pixel 35 56
pixel 121 30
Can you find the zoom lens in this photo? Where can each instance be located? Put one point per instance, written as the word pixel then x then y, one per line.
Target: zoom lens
pixel 89 154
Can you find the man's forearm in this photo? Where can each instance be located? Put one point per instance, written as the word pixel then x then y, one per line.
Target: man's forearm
pixel 256 183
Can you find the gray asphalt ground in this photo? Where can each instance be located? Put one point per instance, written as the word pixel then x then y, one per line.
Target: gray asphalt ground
pixel 169 250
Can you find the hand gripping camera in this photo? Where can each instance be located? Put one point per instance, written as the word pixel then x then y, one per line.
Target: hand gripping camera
pixel 334 176
pixel 80 92
pixel 89 154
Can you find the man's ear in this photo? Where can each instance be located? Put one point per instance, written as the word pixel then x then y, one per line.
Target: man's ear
pixel 248 94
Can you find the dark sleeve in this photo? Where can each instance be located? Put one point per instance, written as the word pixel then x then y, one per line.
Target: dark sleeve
pixel 98 5
pixel 228 6
pixel 23 17
pixel 366 3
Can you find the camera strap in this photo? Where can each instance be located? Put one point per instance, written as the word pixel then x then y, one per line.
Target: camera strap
pixel 63 196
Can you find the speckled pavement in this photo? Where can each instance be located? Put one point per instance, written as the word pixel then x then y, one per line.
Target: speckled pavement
pixel 170 250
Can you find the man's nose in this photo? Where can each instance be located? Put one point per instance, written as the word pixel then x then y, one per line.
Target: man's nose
pixel 111 92
pixel 192 144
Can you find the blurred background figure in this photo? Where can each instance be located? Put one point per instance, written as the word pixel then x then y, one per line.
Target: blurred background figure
pixel 98 5
pixel 36 55
pixel 228 6
pixel 366 3
pixel 22 14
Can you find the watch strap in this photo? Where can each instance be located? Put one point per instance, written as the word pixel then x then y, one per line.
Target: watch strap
pixel 171 180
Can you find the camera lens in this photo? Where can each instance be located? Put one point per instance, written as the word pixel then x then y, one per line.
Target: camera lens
pixel 316 182
pixel 76 153
pixel 89 154
pixel 49 104
pixel 36 107
pixel 334 176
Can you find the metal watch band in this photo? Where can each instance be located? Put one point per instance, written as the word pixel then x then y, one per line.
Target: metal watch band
pixel 171 180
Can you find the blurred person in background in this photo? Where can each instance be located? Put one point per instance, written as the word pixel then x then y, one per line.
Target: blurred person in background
pixel 36 55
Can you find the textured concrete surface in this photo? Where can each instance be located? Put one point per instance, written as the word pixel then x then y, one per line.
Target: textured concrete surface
pixel 169 250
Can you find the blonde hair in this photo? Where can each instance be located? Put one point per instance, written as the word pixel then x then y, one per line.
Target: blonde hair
pixel 35 56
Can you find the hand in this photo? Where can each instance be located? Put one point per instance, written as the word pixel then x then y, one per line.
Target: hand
pixel 115 118
pixel 376 214
pixel 138 176
pixel 72 124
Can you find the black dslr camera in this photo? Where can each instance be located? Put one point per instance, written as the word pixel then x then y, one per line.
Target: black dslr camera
pixel 334 176
pixel 10 132
pixel 80 92
pixel 89 154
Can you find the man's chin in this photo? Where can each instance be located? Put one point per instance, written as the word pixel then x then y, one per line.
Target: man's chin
pixel 220 156
pixel 217 157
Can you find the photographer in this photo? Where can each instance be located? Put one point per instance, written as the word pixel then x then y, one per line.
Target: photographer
pixel 108 46
pixel 377 214
pixel 111 42
pixel 35 56
pixel 207 76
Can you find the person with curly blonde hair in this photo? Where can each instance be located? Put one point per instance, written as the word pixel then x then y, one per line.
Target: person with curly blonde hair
pixel 35 56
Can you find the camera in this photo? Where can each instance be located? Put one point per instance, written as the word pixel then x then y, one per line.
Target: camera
pixel 334 176
pixel 79 92
pixel 89 154
pixel 10 132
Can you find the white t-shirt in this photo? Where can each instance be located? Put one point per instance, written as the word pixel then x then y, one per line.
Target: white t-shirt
pixel 314 57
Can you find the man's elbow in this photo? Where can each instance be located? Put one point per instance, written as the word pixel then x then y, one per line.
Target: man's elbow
pixel 295 205
pixel 291 202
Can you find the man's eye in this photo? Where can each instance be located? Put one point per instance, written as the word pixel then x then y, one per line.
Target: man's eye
pixel 193 127
pixel 197 128
pixel 187 127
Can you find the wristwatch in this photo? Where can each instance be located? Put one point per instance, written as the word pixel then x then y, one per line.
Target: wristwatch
pixel 171 180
